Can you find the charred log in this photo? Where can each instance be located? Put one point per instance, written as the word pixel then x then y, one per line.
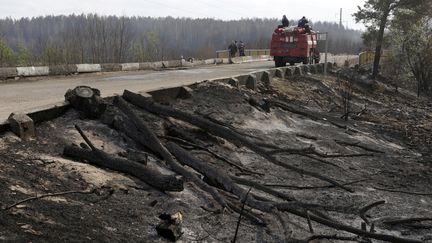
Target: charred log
pixel 221 131
pixel 147 138
pixel 147 175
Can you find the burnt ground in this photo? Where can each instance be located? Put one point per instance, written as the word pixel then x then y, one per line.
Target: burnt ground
pixel 390 129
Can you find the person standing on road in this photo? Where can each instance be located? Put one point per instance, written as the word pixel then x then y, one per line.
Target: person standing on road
pixel 285 21
pixel 232 50
pixel 241 49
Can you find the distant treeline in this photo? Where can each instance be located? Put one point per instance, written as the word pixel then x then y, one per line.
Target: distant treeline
pixel 93 38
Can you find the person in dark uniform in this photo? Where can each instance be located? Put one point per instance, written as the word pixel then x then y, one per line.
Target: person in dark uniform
pixel 302 22
pixel 232 50
pixel 285 21
pixel 241 49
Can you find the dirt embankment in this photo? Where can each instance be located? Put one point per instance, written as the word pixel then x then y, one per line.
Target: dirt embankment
pixel 381 153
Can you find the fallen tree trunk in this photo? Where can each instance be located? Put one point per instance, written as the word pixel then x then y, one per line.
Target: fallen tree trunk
pixel 265 207
pixel 215 176
pixel 220 131
pixel 217 156
pixel 219 178
pixel 148 139
pixel 347 228
pixel 304 112
pixel 263 188
pixel 145 174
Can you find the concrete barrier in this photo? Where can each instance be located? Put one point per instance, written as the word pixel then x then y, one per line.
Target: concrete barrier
pixel 199 62
pixel 298 71
pixel 242 79
pixel 63 69
pixel 157 65
pixel 33 71
pixel 187 64
pixel 22 125
pixel 258 74
pixel 237 59
pixel 130 66
pixel 251 82
pixel 313 69
pixel 272 72
pixel 247 59
pixel 145 65
pixel 280 73
pixel 289 72
pixel 267 78
pixel 8 73
pixel 113 67
pixel 261 57
pixel 173 63
pixel 110 67
pixel 305 69
pixel 320 67
pixel 209 61
pixel 88 68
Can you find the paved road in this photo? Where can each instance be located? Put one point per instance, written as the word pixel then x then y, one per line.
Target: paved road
pixel 27 95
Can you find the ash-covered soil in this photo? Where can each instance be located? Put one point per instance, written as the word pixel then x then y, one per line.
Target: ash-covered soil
pixel 382 152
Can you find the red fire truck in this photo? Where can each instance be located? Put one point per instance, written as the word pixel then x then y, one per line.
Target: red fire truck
pixel 294 45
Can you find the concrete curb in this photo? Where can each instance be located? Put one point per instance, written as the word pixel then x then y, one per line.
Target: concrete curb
pixel 130 66
pixel 111 67
pixel 88 68
pixel 52 112
pixel 33 71
pixel 63 69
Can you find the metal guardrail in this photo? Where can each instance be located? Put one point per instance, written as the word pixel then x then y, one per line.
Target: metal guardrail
pixel 248 52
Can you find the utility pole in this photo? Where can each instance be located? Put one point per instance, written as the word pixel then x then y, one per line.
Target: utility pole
pixel 340 21
pixel 325 56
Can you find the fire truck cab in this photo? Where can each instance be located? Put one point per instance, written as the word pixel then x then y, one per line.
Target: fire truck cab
pixel 294 45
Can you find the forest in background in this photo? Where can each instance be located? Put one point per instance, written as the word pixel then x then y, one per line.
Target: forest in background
pixel 52 40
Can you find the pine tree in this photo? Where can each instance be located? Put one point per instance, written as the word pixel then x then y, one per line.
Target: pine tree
pixel 7 56
pixel 375 14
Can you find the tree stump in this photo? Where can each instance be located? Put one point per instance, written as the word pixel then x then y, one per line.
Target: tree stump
pixel 87 101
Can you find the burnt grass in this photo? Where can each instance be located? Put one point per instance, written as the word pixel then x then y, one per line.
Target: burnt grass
pixel 124 209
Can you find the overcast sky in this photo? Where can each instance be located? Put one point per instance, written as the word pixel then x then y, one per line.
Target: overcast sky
pixel 315 10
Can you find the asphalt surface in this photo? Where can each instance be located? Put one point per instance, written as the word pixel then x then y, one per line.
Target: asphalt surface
pixel 32 94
